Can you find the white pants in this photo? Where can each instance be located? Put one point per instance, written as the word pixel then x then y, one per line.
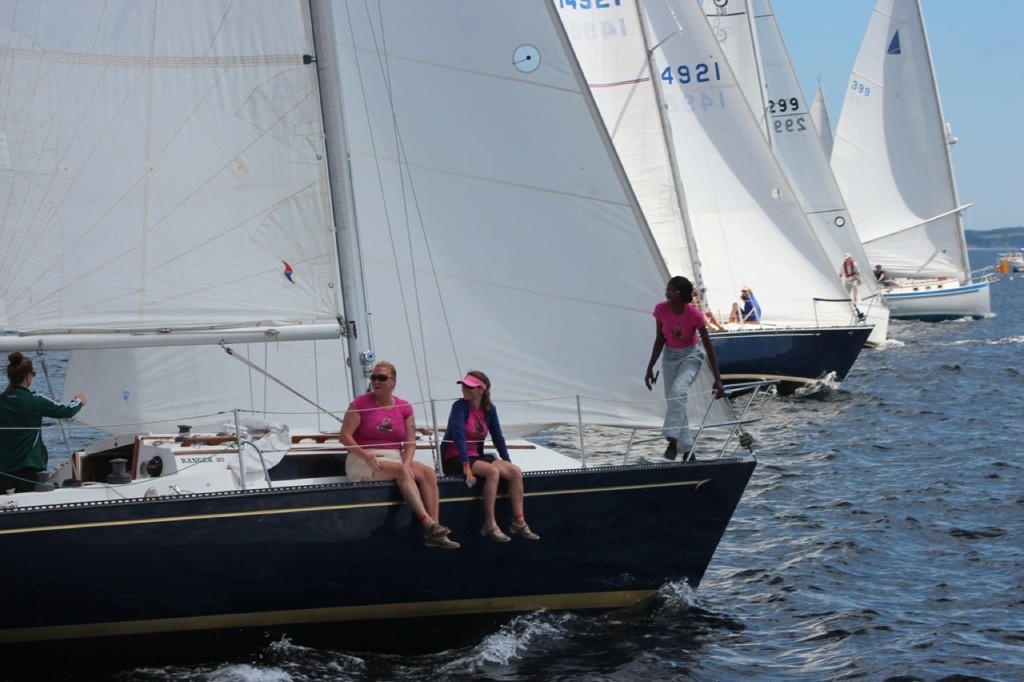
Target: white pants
pixel 680 367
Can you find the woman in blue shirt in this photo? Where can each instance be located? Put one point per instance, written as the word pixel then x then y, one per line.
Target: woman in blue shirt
pixel 472 417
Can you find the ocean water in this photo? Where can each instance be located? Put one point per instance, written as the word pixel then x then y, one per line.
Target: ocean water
pixel 881 538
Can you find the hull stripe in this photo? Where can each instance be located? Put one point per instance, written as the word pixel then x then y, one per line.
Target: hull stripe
pixel 337 507
pixel 569 601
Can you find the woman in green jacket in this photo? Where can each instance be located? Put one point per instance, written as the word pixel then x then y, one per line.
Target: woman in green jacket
pixel 22 451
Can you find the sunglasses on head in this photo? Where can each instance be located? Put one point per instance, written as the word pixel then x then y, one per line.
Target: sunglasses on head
pixel 379 377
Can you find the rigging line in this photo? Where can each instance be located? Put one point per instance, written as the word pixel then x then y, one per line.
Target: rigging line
pixel 403 176
pixel 426 245
pixel 376 162
pixel 49 387
pixel 280 383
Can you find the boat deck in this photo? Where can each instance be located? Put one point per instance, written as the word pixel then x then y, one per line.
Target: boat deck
pixel 167 465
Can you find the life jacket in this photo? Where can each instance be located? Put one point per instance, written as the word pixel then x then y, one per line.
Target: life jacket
pixel 849 268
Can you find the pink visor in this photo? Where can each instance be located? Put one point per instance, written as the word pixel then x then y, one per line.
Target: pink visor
pixel 471 381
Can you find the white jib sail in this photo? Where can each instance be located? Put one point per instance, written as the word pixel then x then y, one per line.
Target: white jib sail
pixel 498 230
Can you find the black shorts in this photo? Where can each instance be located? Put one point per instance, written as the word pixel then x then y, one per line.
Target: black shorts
pixel 453 466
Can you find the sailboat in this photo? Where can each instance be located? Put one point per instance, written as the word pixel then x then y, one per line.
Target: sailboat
pixel 248 204
pixel 719 205
pixel 750 37
pixel 892 160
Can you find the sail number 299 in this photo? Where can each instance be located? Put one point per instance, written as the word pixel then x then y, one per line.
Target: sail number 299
pixel 698 73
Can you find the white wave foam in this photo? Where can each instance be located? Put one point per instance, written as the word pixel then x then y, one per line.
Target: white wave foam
pixel 248 673
pixel 1006 340
pixel 826 384
pixel 510 641
pixel 678 595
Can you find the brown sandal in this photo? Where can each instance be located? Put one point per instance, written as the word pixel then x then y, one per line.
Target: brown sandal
pixel 436 530
pixel 523 531
pixel 442 541
pixel 494 534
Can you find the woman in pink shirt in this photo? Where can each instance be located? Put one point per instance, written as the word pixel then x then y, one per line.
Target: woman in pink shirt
pixel 379 431
pixel 678 325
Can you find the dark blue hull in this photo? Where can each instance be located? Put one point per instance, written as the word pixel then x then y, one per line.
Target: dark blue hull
pixel 209 567
pixel 792 356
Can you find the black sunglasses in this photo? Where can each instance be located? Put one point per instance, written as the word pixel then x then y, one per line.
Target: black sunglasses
pixel 379 377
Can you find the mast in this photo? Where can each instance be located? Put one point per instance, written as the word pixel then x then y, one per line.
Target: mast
pixel 691 243
pixel 350 268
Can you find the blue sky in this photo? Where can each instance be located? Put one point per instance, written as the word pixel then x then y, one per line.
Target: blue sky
pixel 978 53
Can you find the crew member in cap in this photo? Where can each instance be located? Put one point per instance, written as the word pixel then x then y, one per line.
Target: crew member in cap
pixel 849 273
pixel 750 313
pixel 472 417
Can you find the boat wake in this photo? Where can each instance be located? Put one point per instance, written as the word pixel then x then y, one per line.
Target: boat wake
pixel 890 343
pixel 516 639
pixel 819 388
pixel 1003 341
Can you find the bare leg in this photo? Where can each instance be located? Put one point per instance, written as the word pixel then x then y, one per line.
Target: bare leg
pixel 426 481
pixel 514 475
pixel 734 313
pixel 491 476
pixel 406 482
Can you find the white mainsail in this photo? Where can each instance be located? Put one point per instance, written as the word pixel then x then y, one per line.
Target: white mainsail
pixel 744 218
pixel 157 174
pixel 750 37
pixel 891 154
pixel 492 235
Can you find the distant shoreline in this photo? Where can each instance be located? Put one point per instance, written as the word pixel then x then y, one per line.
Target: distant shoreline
pixel 999 238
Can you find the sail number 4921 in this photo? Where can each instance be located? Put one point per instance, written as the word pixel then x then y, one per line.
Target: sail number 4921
pixel 698 73
pixel 588 4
